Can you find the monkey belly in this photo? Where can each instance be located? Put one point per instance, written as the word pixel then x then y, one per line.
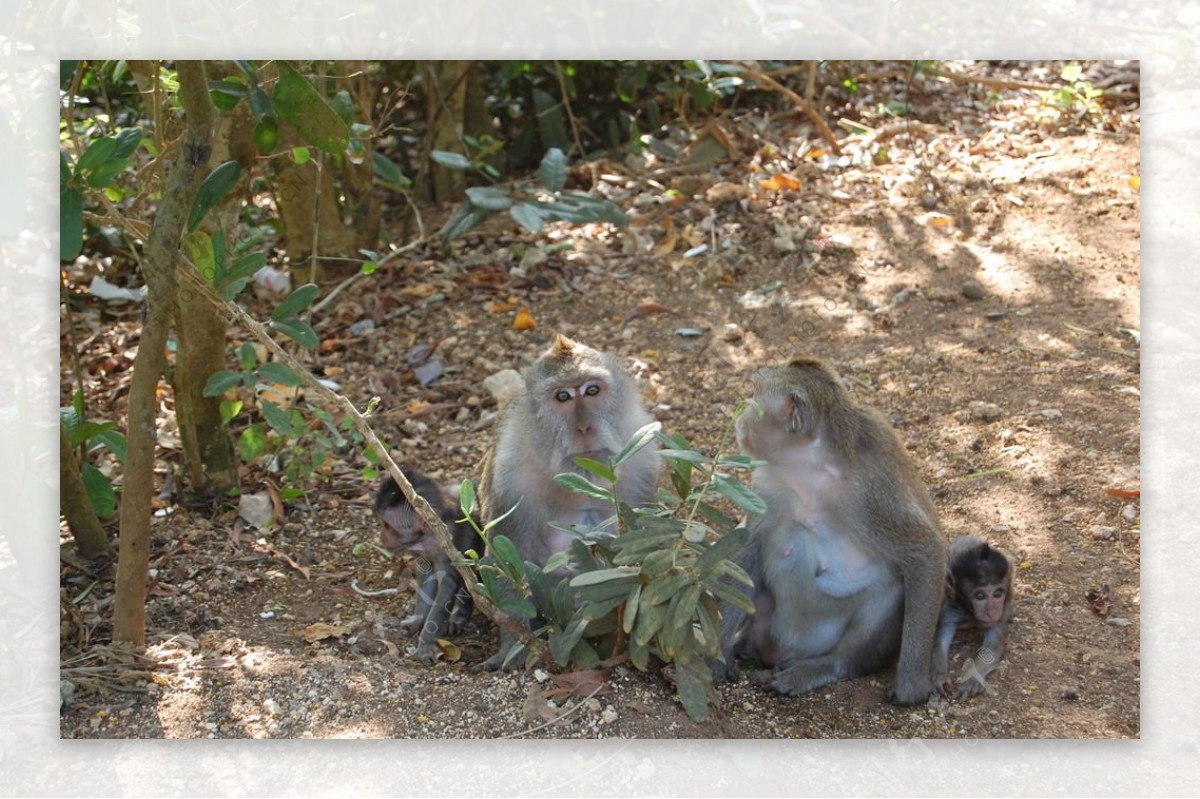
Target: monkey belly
pixel 824 588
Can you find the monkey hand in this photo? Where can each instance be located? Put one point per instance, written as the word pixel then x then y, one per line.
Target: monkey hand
pixel 427 652
pixel 723 672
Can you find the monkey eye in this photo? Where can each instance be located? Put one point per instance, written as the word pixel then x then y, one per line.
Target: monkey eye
pixel 591 389
pixel 980 596
pixel 563 395
pixel 999 594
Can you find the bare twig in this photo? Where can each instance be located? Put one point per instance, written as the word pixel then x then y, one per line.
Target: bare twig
pixel 823 128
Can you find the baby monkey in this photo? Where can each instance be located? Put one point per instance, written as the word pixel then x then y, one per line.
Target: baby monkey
pixel 978 590
pixel 443 603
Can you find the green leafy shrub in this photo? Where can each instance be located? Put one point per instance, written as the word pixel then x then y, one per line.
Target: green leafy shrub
pixel 653 590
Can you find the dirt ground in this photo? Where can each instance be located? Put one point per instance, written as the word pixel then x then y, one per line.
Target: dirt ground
pixel 981 289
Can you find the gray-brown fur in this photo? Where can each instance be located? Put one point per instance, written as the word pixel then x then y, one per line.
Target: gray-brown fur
pixel 848 559
pixel 538 436
pixel 443 604
pixel 978 592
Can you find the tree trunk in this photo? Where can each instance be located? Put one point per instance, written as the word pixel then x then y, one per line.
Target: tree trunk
pixel 447 104
pixel 162 250
pixel 76 508
pixel 208 453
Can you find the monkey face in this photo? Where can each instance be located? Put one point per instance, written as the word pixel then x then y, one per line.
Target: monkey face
pixel 402 530
pixel 987 602
pixel 582 414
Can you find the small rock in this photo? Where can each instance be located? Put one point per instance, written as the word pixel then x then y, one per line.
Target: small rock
pixel 1001 529
pixel 995 316
pixel 609 715
pixel 984 411
pixel 1070 696
pixel 941 295
pixel 689 332
pixel 1129 514
pixel 783 244
pixel 929 200
pixel 1104 533
pixel 972 290
pixel 1118 622
pixel 1052 413
pixel 732 333
pixel 540 675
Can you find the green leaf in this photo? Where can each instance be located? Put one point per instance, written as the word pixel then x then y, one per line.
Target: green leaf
pixel 506 552
pixel 114 441
pixel 301 155
pixel 562 643
pixel 631 609
pixel 220 382
pixel 70 223
pixel 649 622
pixel 450 160
pixel 490 198
pixel 465 218
pixel 732 596
pixel 597 468
pixel 689 455
pixel 126 143
pixel 97 153
pixel 295 302
pixel 555 562
pixel 581 485
pixel 517 606
pixel 87 431
pixel 198 246
pixel 64 168
pixel 247 356
pixel 527 216
pixel 553 170
pixel 251 443
pixel 466 497
pixel 302 105
pixel 692 680
pixel 298 330
pixel 624 573
pixel 660 591
pixel 214 188
pixel 100 492
pixel 279 419
pixel 275 372
pixel 387 171
pixel 727 547
pixel 241 273
pixel 230 409
pixel 226 94
pixel 636 443
pixel 739 494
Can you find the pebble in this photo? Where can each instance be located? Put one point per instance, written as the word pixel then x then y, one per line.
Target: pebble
pixel 972 290
pixel 984 411
pixel 1104 533
pixel 1052 413
pixel 1129 514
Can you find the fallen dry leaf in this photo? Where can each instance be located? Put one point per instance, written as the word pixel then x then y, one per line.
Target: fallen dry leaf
pixel 779 182
pixel 524 320
pixel 1100 601
pixel 320 631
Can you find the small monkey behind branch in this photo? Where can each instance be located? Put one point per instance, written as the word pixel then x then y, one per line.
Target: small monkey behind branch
pixel 443 604
pixel 978 591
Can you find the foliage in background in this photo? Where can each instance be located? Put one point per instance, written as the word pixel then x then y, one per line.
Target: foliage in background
pixel 531 206
pixel 653 590
pixel 91 437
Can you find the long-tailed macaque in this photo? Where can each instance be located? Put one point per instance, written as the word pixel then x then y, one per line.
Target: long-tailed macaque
pixel 848 560
pixel 577 402
pixel 978 591
pixel 443 604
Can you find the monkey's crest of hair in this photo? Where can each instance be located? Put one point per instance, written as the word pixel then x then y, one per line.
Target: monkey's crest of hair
pixel 567 357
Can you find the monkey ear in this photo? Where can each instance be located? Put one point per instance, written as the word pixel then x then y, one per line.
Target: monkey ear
pixel 949 585
pixel 799 413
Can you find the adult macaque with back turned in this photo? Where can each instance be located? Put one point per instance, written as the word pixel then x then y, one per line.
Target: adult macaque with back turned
pixel 443 604
pixel 577 402
pixel 978 591
pixel 848 560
